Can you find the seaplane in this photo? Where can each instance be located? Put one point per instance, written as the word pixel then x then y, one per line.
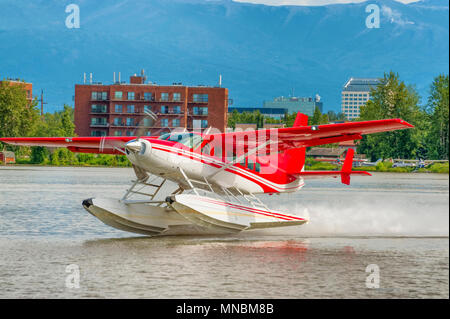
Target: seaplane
pixel 194 183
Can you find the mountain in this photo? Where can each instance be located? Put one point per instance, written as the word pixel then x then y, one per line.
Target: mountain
pixel 261 51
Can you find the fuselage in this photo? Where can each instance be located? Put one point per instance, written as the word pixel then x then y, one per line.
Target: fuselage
pixel 251 174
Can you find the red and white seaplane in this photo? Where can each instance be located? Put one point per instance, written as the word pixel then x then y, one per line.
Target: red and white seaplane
pixel 215 177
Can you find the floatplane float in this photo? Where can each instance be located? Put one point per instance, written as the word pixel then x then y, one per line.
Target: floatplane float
pixel 216 178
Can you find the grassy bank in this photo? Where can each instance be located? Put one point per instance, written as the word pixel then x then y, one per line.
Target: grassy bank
pixel 380 167
pixel 92 160
pixel 79 160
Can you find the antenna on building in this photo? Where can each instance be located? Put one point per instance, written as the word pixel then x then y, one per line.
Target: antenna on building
pixel 119 77
pixel 90 78
pixel 220 80
pixel 84 78
pixel 114 78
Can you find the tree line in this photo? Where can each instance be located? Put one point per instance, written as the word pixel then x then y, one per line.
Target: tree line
pixel 392 98
pixel 21 118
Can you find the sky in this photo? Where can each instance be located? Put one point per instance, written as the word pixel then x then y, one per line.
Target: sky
pixel 309 2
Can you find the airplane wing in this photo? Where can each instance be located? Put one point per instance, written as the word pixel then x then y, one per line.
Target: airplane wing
pixel 100 145
pixel 306 136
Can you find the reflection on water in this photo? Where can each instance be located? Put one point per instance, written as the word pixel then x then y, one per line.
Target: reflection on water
pixel 379 220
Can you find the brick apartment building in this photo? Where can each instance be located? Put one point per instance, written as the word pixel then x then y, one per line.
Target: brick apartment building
pixel 27 86
pixel 118 109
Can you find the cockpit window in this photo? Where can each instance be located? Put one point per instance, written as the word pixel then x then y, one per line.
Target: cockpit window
pixel 190 140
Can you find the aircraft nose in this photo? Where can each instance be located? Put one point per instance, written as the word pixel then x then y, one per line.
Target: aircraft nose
pixel 134 146
pixel 138 147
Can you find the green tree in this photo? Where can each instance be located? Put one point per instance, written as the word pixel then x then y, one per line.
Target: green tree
pixel 18 117
pixel 392 98
pixel 333 116
pixel 438 108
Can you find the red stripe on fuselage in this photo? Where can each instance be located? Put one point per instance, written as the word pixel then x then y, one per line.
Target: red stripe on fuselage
pixel 266 189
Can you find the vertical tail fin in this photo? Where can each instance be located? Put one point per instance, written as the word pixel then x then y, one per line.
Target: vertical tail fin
pixel 347 167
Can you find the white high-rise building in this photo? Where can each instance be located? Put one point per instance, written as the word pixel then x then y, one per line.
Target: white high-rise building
pixel 356 92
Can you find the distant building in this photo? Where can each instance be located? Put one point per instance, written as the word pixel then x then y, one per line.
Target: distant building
pixel 276 113
pixel 325 153
pixel 348 144
pixel 356 92
pixel 334 155
pixel 246 126
pixel 306 105
pixel 7 157
pixel 118 109
pixel 27 86
pixel 254 126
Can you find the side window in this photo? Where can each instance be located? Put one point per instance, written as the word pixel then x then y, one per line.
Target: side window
pixel 258 167
pixel 206 149
pixel 250 165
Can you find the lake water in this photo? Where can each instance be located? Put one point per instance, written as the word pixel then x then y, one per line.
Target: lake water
pixel 397 223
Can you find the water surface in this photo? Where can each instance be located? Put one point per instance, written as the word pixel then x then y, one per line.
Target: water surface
pixel 396 221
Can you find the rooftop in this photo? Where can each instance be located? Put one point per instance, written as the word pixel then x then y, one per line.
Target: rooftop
pixel 361 84
pixel 325 151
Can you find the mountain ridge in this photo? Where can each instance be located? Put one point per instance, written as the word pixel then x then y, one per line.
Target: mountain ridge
pixel 261 51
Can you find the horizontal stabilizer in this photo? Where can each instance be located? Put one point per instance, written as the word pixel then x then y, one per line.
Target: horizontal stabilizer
pixel 344 173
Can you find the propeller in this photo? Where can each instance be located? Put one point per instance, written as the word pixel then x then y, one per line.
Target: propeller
pixel 136 146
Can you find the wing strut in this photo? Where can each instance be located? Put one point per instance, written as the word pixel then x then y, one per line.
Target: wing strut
pixel 240 158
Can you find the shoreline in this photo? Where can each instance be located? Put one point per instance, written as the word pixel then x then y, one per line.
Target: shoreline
pixel 368 169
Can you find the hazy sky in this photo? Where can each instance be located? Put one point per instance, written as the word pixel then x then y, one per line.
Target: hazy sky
pixel 309 2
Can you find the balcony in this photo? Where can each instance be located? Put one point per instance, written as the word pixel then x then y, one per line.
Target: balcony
pixel 202 101
pixel 99 125
pixel 169 113
pixel 197 114
pixel 93 112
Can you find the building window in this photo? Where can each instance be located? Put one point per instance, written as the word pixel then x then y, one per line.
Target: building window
pixel 98 108
pixel 129 133
pixel 164 122
pixel 118 108
pixel 98 133
pixel 130 95
pixel 164 109
pixel 118 121
pixel 177 97
pixel 177 109
pixel 147 108
pixel 204 123
pixel 164 96
pixel 118 95
pixel 99 96
pixel 148 96
pixel 118 133
pixel 200 110
pixel 130 108
pixel 98 121
pixel 176 122
pixel 147 122
pixel 200 98
pixel 130 121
